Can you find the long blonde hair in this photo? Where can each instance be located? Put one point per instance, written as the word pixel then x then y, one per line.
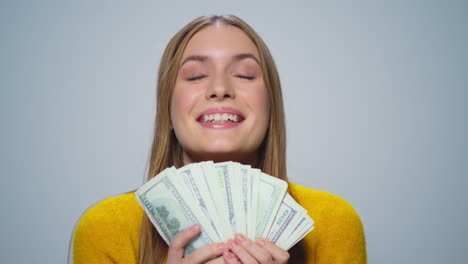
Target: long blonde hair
pixel 166 150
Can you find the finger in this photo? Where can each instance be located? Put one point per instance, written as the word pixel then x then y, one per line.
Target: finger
pixel 207 253
pixel 219 260
pixel 176 247
pixel 230 258
pixel 259 253
pixel 241 253
pixel 279 255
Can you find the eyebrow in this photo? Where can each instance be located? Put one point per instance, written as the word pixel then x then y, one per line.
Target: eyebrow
pixel 237 57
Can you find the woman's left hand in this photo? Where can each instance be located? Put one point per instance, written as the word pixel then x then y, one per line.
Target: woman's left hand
pixel 247 251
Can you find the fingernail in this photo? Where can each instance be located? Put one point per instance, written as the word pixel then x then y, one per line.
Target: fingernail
pixel 222 246
pixel 240 238
pixel 232 243
pixel 229 255
pixel 261 242
pixel 195 228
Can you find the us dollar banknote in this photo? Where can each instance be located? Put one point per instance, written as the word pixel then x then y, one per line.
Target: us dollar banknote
pixel 224 199
pixel 169 212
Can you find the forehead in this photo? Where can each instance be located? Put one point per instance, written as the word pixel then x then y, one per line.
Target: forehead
pixel 218 41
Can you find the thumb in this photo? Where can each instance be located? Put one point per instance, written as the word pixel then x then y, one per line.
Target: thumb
pixel 177 244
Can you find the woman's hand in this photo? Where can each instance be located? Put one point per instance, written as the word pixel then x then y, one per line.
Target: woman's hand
pixel 202 255
pixel 260 252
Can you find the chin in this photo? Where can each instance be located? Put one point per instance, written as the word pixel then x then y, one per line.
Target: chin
pixel 222 145
pixel 243 158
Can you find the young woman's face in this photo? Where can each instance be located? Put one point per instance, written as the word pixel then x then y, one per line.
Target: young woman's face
pixel 219 108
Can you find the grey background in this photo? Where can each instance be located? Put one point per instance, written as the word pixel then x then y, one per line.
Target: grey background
pixel 374 91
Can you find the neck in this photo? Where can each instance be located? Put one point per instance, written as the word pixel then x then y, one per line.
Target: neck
pixel 246 159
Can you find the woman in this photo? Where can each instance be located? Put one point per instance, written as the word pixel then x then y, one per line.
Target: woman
pixel 218 64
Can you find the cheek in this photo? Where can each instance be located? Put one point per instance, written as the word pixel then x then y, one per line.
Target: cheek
pixel 258 100
pixel 182 102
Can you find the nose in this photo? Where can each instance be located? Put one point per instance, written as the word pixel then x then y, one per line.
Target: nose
pixel 220 89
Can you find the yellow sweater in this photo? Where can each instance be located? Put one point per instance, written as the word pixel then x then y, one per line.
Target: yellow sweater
pixel 109 232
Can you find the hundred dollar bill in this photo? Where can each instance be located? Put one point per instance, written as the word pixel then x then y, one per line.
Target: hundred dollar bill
pixel 224 185
pixel 301 232
pixel 236 180
pixel 254 175
pixel 296 231
pixel 220 188
pixel 285 241
pixel 306 231
pixel 271 193
pixel 196 183
pixel 288 210
pixel 209 173
pixel 169 212
pixel 244 182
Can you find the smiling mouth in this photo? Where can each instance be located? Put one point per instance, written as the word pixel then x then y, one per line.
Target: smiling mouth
pixel 220 118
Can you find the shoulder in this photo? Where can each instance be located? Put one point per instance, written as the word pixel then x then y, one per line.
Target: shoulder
pixel 322 203
pixel 338 234
pixel 122 209
pixel 109 228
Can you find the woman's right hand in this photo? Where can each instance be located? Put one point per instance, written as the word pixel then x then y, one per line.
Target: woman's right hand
pixel 202 255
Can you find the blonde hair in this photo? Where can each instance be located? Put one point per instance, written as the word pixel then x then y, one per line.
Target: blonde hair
pixel 166 150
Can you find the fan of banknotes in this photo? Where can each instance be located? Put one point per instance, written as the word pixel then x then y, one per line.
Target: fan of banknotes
pixel 224 199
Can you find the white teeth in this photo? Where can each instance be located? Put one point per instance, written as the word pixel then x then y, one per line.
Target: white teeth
pixel 220 118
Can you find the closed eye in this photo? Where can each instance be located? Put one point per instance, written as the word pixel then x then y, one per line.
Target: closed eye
pixel 196 78
pixel 203 76
pixel 246 77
